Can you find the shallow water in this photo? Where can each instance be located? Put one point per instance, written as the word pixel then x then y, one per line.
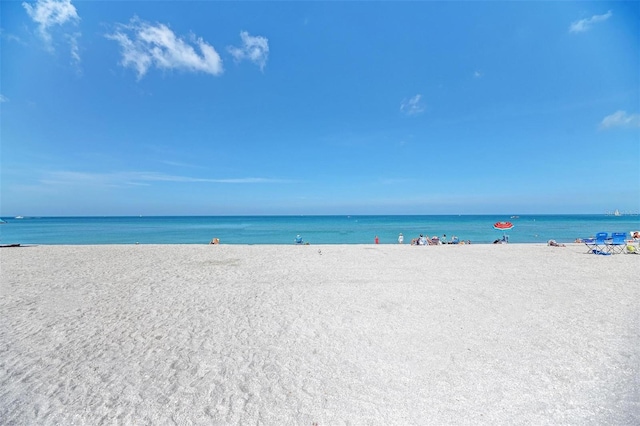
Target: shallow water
pixel 313 229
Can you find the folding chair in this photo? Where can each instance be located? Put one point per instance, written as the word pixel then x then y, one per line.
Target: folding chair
pixel 617 242
pixel 597 245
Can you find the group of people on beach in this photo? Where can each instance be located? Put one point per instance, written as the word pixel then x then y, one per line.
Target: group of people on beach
pixel 503 240
pixel 424 240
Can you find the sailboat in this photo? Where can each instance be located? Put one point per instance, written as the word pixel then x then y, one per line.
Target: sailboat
pixel 617 213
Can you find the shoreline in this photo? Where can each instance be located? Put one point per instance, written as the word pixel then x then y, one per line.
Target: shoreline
pixel 316 230
pixel 285 334
pixel 221 243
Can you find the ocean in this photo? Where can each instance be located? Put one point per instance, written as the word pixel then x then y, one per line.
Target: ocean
pixel 313 229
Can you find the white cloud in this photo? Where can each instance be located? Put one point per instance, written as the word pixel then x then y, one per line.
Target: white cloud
pixel 3 98
pixel 255 49
pixel 585 24
pixel 395 181
pixel 117 179
pixel 477 74
pixel 10 37
pixel 50 13
pixel 145 45
pixel 180 164
pixel 620 119
pixel 412 106
pixel 73 43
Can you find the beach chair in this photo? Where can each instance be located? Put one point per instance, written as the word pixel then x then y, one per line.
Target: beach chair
pixel 617 242
pixel 597 245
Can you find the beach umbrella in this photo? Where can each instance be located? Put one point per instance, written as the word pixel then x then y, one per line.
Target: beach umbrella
pixel 502 226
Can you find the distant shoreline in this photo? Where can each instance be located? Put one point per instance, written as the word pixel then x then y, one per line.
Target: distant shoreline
pixel 293 215
pixel 282 230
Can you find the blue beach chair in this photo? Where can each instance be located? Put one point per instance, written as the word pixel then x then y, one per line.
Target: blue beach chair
pixel 617 242
pixel 597 245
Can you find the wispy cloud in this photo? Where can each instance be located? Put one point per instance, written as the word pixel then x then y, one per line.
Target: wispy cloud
pixel 477 74
pixel 72 39
pixel 50 13
pixel 145 45
pixel 3 98
pixel 412 106
pixel 620 119
pixel 254 49
pixel 180 164
pixel 10 37
pixel 395 181
pixel 118 179
pixel 585 24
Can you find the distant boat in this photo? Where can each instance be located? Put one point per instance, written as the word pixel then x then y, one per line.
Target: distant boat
pixel 515 217
pixel 617 213
pixel 19 217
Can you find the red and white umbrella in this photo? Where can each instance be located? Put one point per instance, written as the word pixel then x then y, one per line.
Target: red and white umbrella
pixel 502 226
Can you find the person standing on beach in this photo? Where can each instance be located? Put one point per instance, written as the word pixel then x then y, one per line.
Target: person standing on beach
pixel 400 239
pixel 376 240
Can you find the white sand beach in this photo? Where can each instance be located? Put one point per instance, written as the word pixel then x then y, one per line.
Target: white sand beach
pixel 327 335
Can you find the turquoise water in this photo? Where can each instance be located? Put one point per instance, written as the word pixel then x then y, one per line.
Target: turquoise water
pixel 313 229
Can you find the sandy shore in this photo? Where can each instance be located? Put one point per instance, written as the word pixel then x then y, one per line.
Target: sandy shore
pixel 360 334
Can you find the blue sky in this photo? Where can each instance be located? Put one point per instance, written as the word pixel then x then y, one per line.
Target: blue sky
pixel 216 108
